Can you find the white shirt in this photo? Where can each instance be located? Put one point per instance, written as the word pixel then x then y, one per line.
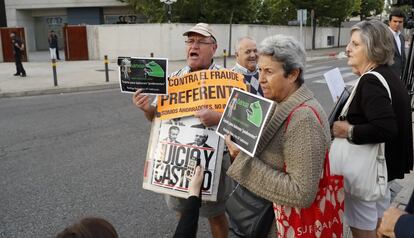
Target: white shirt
pixel 397 39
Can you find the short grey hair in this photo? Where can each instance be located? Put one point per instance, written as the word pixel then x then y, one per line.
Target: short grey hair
pixel 286 50
pixel 378 39
pixel 237 47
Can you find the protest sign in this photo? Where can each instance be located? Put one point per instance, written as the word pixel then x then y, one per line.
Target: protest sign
pixel 194 91
pixel 173 143
pixel 244 118
pixel 148 74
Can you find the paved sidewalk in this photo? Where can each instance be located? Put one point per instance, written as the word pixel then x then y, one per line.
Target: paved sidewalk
pixel 74 76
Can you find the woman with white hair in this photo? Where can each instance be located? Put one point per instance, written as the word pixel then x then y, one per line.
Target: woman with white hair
pixel 373 117
pixel 288 164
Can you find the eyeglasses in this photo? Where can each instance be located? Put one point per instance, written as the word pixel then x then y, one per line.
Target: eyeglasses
pixel 200 43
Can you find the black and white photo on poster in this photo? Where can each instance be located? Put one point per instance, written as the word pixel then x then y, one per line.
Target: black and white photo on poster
pixel 244 118
pixel 173 145
pixel 148 74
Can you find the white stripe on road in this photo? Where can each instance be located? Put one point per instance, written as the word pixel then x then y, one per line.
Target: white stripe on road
pixel 348 83
pixel 308 70
pixel 345 72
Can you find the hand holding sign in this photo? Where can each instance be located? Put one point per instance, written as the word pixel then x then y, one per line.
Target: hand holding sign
pixel 233 150
pixel 142 101
pixel 196 181
pixel 208 117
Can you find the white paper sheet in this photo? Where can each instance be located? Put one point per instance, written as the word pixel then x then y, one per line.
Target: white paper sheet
pixel 335 83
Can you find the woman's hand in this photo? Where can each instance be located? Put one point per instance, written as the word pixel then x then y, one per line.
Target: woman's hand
pixel 340 129
pixel 233 150
pixel 196 181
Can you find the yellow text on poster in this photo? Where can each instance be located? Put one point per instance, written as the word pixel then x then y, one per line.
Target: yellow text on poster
pixel 194 91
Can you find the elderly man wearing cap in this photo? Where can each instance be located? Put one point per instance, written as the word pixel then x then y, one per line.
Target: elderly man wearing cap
pixel 201 45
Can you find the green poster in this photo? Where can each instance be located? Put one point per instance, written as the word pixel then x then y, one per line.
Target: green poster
pixel 244 118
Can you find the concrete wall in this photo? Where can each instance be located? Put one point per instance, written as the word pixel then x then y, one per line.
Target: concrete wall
pixel 166 40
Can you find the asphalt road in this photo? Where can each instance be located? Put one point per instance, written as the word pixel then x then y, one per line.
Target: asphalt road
pixel 67 156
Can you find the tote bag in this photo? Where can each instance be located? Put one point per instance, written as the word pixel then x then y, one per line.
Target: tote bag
pixel 324 217
pixel 363 166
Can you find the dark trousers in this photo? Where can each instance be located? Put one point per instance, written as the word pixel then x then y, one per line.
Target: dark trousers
pixel 57 52
pixel 19 66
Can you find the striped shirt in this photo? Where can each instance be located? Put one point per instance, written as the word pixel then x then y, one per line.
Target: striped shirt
pixel 251 79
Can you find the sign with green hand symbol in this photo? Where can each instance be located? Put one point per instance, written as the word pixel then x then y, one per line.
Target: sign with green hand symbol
pixel 244 119
pixel 148 74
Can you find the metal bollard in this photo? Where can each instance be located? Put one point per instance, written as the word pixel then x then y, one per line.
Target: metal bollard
pixel 152 55
pixel 54 72
pixel 106 68
pixel 224 57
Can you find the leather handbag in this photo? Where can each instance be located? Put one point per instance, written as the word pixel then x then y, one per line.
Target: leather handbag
pixel 324 217
pixel 363 166
pixel 250 216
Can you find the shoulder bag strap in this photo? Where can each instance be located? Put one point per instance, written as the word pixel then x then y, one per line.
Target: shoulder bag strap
pixel 327 170
pixel 383 81
pixel 351 97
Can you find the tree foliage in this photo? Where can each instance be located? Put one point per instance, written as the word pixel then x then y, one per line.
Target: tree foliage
pixel 275 12
pixel 272 12
pixel 368 8
pixel 191 11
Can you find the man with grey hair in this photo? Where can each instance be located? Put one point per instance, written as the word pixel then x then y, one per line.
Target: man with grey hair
pixel 246 63
pixel 201 44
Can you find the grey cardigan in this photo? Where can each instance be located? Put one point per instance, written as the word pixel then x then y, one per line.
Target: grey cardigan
pixel 301 148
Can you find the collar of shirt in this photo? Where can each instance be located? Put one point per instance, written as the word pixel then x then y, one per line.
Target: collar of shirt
pixel 240 69
pixel 212 66
pixel 395 33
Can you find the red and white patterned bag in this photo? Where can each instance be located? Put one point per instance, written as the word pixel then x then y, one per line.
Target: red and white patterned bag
pixel 324 217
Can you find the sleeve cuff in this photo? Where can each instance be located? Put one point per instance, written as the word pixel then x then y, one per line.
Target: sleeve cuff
pixel 404 226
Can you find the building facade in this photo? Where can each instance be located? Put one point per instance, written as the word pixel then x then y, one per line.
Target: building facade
pixel 38 17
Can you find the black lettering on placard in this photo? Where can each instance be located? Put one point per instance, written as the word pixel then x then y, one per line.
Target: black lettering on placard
pixel 197 94
pixel 171 170
pixel 207 180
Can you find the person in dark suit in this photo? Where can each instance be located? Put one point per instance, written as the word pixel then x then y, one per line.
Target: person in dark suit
pixel 200 140
pixel 398 223
pixel 173 132
pixel 18 48
pixel 395 24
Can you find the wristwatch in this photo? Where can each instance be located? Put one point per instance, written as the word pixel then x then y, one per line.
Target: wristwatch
pixel 350 133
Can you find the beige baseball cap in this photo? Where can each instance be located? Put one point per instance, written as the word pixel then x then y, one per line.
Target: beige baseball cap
pixel 202 29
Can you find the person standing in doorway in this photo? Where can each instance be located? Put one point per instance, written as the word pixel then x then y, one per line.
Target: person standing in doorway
pixel 18 48
pixel 396 21
pixel 53 45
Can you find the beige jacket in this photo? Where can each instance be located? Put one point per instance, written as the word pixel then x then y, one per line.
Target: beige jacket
pixel 301 148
